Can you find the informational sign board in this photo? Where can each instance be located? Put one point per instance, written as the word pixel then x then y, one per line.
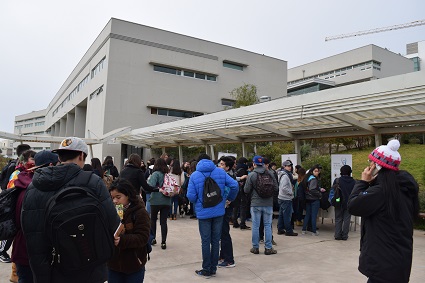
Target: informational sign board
pixel 220 154
pixel 292 157
pixel 337 161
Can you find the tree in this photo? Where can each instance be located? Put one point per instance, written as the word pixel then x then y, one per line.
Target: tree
pixel 245 95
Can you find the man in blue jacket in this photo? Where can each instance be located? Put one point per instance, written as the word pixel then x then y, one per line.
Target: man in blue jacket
pixel 210 219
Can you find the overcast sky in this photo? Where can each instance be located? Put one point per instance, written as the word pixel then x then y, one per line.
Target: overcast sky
pixel 42 41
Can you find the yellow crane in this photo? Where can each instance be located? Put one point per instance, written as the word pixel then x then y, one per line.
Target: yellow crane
pixel 376 30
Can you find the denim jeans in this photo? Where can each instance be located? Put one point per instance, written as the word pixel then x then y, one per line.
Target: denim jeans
pixel 148 203
pixel 226 252
pixel 24 273
pixel 285 214
pixel 267 213
pixel 175 203
pixel 210 231
pixel 311 211
pixel 119 277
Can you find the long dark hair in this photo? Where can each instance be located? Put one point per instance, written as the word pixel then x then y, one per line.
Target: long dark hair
pixel 388 181
pixel 161 166
pixel 307 176
pixel 95 163
pixel 126 188
pixel 175 167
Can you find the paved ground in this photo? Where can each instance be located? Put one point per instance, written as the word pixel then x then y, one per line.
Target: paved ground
pixel 299 259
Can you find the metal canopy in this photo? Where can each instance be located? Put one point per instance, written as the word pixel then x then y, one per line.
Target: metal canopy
pixel 391 105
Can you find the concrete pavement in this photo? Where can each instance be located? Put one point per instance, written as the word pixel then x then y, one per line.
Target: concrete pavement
pixel 304 258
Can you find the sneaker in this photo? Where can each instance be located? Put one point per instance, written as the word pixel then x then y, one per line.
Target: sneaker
pixel 315 234
pixel 226 264
pixel 262 241
pixel 298 223
pixel 255 251
pixel 203 273
pixel 163 246
pixel 270 251
pixel 303 232
pixel 153 242
pixel 291 234
pixel 280 232
pixel 236 225
pixel 4 257
pixel 244 227
pixel 274 243
pixel 213 274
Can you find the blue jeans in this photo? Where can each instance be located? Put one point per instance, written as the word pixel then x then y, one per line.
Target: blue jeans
pixel 285 213
pixel 148 203
pixel 119 277
pixel 24 273
pixel 267 213
pixel 226 252
pixel 311 211
pixel 210 231
pixel 175 202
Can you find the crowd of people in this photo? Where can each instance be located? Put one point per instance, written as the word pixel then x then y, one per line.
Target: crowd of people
pixel 238 190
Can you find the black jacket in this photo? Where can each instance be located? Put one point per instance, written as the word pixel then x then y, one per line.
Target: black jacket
pixel 47 182
pixel 385 245
pixel 346 185
pixel 137 178
pixel 112 170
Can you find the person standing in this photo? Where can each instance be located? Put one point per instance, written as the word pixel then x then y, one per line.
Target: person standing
pixel 261 206
pixel 387 200
pixel 129 260
pixel 47 183
pixel 345 185
pixel 313 194
pixel 286 194
pixel 210 219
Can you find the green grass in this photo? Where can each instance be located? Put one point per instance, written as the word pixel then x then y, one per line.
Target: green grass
pixel 412 160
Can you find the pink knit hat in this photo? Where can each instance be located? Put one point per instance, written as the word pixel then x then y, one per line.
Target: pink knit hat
pixel 387 156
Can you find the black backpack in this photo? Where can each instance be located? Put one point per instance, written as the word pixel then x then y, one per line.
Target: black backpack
pixel 8 200
pixel 324 201
pixel 77 226
pixel 337 196
pixel 265 185
pixel 212 192
pixel 6 172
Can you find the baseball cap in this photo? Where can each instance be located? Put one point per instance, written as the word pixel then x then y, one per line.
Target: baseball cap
pixel 74 144
pixel 258 160
pixel 287 163
pixel 43 158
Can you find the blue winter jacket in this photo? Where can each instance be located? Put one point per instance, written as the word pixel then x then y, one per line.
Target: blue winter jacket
pixel 196 188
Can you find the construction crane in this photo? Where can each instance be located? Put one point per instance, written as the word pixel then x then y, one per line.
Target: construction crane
pixel 376 30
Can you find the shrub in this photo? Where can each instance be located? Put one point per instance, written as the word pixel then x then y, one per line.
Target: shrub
pixel 325 161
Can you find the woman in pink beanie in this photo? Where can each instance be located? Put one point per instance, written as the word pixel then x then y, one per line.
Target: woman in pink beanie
pixel 387 200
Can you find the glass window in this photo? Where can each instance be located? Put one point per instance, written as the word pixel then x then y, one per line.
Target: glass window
pixel 165 69
pixel 162 112
pixel 211 78
pixel 233 66
pixel 200 76
pixel 175 113
pixel 188 74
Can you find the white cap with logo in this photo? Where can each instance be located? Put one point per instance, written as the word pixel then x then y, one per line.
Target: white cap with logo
pixel 74 144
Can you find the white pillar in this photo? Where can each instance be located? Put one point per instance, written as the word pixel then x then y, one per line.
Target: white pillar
pixel 378 140
pixel 212 151
pixel 243 150
pixel 297 144
pixel 180 154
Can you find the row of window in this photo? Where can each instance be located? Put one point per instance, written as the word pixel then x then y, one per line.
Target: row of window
pixel 29 120
pixel 185 73
pixel 340 72
pixel 39 123
pixel 96 92
pixel 99 67
pixel 174 113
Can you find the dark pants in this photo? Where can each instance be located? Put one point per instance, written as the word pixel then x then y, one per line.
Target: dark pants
pixel 119 277
pixel 226 252
pixel 163 209
pixel 24 273
pixel 342 223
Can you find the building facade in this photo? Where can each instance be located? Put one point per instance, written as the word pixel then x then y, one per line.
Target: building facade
pixel 416 52
pixel 362 64
pixel 33 123
pixel 135 75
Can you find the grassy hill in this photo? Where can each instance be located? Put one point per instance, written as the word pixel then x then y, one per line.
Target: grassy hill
pixel 412 160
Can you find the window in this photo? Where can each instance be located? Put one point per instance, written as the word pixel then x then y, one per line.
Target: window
pixel 28 125
pixel 39 123
pixel 174 113
pixel 227 102
pixel 185 73
pixel 98 67
pixel 233 66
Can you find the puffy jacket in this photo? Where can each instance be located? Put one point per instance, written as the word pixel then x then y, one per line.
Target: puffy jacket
pixel 386 245
pixel 312 192
pixel 47 182
pixel 195 190
pixel 130 254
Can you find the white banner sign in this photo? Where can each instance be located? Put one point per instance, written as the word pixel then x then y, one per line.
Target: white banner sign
pixel 292 157
pixel 337 161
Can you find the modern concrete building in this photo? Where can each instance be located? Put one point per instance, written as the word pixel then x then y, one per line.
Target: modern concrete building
pixel 33 123
pixel 138 76
pixel 6 147
pixel 362 64
pixel 416 52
